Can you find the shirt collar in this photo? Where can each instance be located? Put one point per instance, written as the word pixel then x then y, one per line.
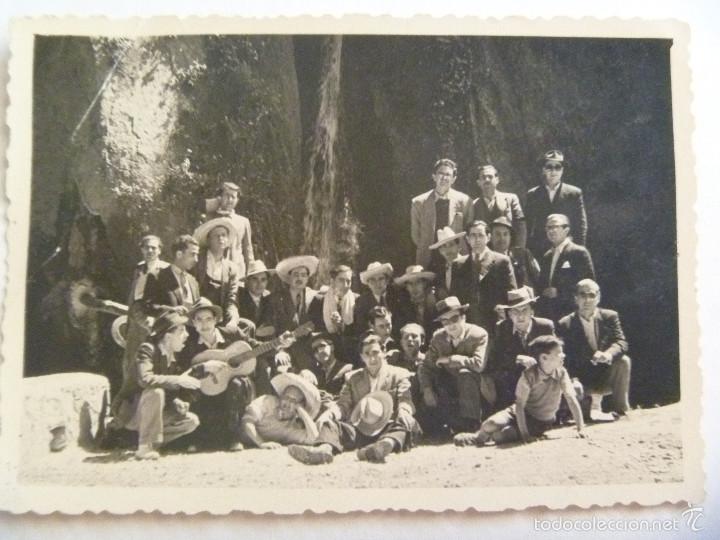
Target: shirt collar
pixel 553 189
pixel 441 197
pixel 179 272
pixel 217 338
pixel 527 332
pixel 593 316
pixel 481 254
pixel 167 354
pixel 562 244
pixel 556 374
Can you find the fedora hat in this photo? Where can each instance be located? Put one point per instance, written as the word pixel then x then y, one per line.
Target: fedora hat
pixel 256 267
pixel 445 235
pixel 519 297
pixel 286 266
pixel 414 271
pixel 166 322
pixel 552 155
pixel 501 221
pixel 310 392
pixel 372 413
pixel 204 303
pixel 376 269
pixel 202 232
pixel 118 330
pixel 449 305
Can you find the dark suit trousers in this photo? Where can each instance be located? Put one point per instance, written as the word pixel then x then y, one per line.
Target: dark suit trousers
pixel 220 415
pixel 344 436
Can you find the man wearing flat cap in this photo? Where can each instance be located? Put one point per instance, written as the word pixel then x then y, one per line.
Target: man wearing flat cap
pixel 150 400
pixel 217 275
pixel 493 204
pixel 553 196
pixel 241 249
pixel 510 355
pixel 378 290
pixel 451 376
pixel 438 208
pixel 525 267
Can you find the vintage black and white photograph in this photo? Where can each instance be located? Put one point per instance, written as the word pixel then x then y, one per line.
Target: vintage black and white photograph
pixel 351 261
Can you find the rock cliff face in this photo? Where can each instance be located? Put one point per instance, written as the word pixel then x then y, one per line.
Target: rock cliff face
pixel 329 138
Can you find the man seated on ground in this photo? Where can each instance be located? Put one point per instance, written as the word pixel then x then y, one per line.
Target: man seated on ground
pixel 448 245
pixel 149 400
pixel 216 274
pixel 597 351
pixel 220 415
pixel 561 268
pixel 525 267
pixel 537 399
pixel 380 324
pixel 363 416
pixel 328 373
pixel 451 377
pixel 410 355
pixel 271 421
pixel 418 304
pixel 510 355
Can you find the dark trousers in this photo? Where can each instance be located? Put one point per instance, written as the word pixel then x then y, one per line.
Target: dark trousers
pixel 220 415
pixel 344 436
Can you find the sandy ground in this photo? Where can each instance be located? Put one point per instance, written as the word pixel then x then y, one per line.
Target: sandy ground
pixel 643 449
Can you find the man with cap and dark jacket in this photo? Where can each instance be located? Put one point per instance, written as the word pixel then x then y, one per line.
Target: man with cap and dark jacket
pixel 525 267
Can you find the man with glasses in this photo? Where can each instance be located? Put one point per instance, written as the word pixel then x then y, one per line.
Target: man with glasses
pixel 451 375
pixel 597 351
pixel 553 196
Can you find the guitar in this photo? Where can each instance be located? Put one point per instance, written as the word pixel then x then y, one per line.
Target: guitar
pixel 220 366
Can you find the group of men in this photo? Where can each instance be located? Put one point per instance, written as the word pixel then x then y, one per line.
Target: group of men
pixel 458 346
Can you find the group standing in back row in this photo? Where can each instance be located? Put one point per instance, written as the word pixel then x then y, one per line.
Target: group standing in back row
pixel 460 344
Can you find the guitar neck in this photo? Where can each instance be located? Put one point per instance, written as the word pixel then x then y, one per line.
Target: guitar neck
pixel 267 347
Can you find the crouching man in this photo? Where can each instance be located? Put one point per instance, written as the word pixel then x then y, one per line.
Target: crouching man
pixel 149 401
pixel 537 400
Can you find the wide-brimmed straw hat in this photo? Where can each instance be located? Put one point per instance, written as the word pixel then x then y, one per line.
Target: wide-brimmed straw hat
pixel 414 271
pixel 445 235
pixel 376 269
pixel 372 413
pixel 166 322
pixel 310 392
pixel 257 267
pixel 286 266
pixel 519 297
pixel 449 305
pixel 202 232
pixel 204 303
pixel 118 330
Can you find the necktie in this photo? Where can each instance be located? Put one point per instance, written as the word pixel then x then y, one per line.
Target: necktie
pixel 187 293
pixel 299 305
pixel 448 275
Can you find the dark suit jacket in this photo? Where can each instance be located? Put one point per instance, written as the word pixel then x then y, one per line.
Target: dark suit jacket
pixel 484 294
pixel 226 296
pixel 568 201
pixel 409 313
pixel 333 381
pixel 366 301
pixel 261 315
pixel 284 312
pixel 610 339
pixel 573 265
pixel 525 267
pixel 164 290
pixel 506 205
pixel 508 345
pixel 439 266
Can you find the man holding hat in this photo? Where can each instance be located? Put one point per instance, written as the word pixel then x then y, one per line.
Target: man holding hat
pixel 451 377
pixel 293 304
pixel 254 300
pixel 448 245
pixel 419 304
pixel 241 250
pixel 510 355
pixel 440 207
pixel 378 291
pixel 492 204
pixel 174 288
pixel 374 411
pixel 217 275
pixel 553 196
pixel 327 373
pixel 562 267
pixel 149 400
pixel 525 267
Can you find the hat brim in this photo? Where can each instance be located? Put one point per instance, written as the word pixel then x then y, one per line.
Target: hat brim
pixel 372 429
pixel 268 271
pixel 312 395
pixel 446 240
pixel 429 276
pixel 525 302
pixel 286 266
pixel 181 321
pixel 118 330
pixel 202 232
pixel 385 269
pixel 460 309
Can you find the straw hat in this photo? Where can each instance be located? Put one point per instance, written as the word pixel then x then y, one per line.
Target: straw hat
pixel 118 330
pixel 414 271
pixel 372 413
pixel 376 269
pixel 202 232
pixel 286 266
pixel 257 267
pixel 310 392
pixel 445 235
pixel 519 297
